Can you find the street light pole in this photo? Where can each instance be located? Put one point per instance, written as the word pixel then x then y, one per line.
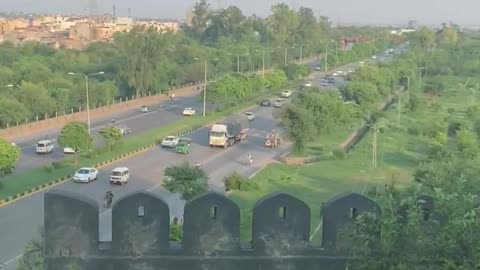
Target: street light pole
pixel 238 63
pixel 263 64
pixel 286 55
pixel 88 104
pixel 301 54
pixel 326 57
pixel 205 89
pixel 86 76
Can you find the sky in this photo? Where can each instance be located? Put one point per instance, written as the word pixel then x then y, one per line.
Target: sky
pixel 462 12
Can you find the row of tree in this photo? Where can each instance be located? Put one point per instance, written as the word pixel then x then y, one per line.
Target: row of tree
pixel 408 236
pixel 144 61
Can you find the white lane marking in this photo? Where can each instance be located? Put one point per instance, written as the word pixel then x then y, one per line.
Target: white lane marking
pixel 11 260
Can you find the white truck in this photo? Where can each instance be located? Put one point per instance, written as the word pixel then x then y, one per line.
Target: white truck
pixel 229 132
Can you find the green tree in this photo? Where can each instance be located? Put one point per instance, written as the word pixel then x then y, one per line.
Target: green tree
pixel 75 135
pixel 300 125
pixel 12 111
pixel 35 97
pixel 283 23
pixel 9 155
pixel 467 143
pixel 189 181
pixel 111 136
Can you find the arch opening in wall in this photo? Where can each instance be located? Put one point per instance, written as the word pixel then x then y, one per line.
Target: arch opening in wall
pixel 213 212
pixel 282 212
pixel 141 211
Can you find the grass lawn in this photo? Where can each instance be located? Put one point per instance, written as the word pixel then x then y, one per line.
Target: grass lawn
pixel 15 184
pixel 398 150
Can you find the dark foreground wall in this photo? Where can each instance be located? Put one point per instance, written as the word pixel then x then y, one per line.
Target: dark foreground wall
pixel 140 233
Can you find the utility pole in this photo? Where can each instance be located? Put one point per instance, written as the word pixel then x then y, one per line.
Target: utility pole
pixel 263 64
pixel 238 63
pixel 205 89
pixel 286 55
pixel 301 54
pixel 326 57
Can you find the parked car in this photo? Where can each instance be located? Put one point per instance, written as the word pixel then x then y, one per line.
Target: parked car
pixel 120 175
pixel 188 111
pixel 124 129
pixel 44 147
pixel 70 150
pixel 250 115
pixel 266 103
pixel 330 79
pixel 307 84
pixel 85 175
pixel 317 68
pixel 170 141
pixel 279 102
pixel 286 93
pixel 144 109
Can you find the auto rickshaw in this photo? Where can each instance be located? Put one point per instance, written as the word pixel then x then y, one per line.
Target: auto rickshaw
pixel 272 140
pixel 183 146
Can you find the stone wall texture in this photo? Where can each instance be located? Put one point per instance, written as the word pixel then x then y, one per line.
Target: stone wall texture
pixel 211 233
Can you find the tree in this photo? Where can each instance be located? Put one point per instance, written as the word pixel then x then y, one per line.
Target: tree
pixel 201 13
pixel 283 23
pixel 111 136
pixel 467 143
pixel 189 181
pixel 9 155
pixel 75 135
pixel 35 97
pixel 12 111
pixel 300 126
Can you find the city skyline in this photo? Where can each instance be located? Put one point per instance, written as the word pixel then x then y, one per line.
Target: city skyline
pixel 378 11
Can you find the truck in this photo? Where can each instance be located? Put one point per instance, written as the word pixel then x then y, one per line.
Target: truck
pixel 229 132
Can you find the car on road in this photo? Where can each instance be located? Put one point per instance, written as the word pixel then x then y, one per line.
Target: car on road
pixel 374 57
pixel 188 111
pixel 85 175
pixel 286 93
pixel 170 141
pixel 307 84
pixel 323 82
pixel 125 130
pixel 70 150
pixel 361 64
pixel 330 79
pixel 250 116
pixel 279 102
pixel 317 68
pixel 120 176
pixel 183 146
pixel 44 147
pixel 144 109
pixel 266 103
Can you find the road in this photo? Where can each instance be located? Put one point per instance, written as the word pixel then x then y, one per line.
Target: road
pixel 137 121
pixel 20 220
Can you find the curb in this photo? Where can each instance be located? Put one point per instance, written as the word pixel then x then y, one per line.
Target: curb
pixel 102 164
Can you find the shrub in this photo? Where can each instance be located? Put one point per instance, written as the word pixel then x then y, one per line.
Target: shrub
pixel 58 164
pixel 235 181
pixel 176 232
pixel 338 153
pixel 48 168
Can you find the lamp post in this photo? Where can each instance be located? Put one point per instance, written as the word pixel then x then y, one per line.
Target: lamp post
pixel 86 76
pixel 263 62
pixel 205 85
pixel 238 60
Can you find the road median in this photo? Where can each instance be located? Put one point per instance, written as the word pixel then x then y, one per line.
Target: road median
pixel 19 186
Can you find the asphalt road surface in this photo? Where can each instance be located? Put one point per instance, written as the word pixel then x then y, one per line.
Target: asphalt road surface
pixel 20 220
pixel 159 115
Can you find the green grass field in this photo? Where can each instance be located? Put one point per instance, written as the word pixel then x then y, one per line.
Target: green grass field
pixel 399 149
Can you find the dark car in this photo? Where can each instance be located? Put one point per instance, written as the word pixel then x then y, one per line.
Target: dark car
pixel 266 103
pixel 330 79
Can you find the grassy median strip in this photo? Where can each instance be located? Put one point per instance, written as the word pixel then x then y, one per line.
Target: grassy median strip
pixel 14 186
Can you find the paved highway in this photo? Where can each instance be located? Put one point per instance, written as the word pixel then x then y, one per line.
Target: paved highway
pixel 20 220
pixel 137 121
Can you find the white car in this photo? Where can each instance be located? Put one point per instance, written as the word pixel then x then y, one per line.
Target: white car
pixel 250 115
pixel 144 109
pixel 286 93
pixel 334 74
pixel 317 68
pixel 308 84
pixel 374 57
pixel 44 147
pixel 70 150
pixel 120 175
pixel 278 103
pixel 124 129
pixel 85 175
pixel 170 141
pixel 189 111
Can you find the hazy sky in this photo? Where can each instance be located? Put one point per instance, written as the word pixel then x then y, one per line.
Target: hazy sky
pixel 346 11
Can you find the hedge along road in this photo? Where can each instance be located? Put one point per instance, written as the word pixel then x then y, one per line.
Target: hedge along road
pixel 134 119
pixel 19 221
